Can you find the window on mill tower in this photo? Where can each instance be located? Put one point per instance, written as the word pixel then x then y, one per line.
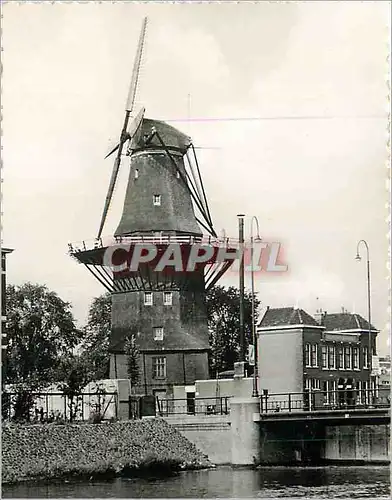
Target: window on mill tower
pixel 158 333
pixel 148 299
pixel 157 199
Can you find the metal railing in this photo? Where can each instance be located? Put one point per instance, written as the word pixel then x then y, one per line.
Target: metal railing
pixel 317 400
pixel 82 246
pixel 56 406
pixel 197 406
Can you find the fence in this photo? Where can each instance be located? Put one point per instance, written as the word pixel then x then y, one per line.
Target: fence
pixel 320 400
pixel 193 406
pixel 57 406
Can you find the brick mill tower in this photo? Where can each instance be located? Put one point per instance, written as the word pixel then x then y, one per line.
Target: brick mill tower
pixel 165 310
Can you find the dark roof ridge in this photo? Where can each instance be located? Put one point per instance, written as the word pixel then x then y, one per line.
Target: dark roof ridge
pixel 287 316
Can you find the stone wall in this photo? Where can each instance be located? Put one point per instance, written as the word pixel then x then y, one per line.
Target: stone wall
pixel 367 443
pixel 50 450
pixel 209 433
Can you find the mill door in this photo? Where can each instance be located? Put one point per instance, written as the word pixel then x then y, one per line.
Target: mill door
pixel 190 403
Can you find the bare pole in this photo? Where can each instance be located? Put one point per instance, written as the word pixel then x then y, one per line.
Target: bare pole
pixel 370 353
pixel 255 392
pixel 242 285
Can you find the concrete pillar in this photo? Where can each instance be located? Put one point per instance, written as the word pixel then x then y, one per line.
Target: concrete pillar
pixel 239 388
pixel 245 437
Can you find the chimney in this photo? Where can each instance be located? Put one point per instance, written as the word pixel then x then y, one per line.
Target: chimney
pixel 319 316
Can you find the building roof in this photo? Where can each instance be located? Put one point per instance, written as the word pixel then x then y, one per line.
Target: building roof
pixel 286 316
pixel 345 321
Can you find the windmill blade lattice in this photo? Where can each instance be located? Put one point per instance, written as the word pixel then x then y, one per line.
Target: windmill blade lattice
pixel 127 127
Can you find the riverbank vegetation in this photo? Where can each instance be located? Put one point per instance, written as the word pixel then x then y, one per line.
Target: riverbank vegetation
pixel 48 451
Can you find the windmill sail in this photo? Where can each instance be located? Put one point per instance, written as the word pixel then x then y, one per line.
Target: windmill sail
pixel 136 68
pixel 125 132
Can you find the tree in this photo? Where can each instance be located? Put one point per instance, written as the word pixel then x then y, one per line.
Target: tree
pixel 41 329
pixel 132 357
pixel 223 313
pixel 97 335
pixel 73 374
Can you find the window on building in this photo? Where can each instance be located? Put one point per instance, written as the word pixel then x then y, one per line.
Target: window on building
pixel 158 333
pixel 167 298
pixel 333 387
pixel 359 392
pixel 355 358
pixel 340 357
pixel 365 392
pixel 331 357
pixel 157 199
pixel 366 356
pixel 312 384
pixel 313 355
pixel 148 298
pixel 159 367
pixel 178 174
pixel 307 355
pixel 347 358
pixel 324 356
pixel 315 383
pixel 136 173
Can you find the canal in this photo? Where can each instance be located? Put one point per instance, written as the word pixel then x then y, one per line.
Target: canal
pixel 370 482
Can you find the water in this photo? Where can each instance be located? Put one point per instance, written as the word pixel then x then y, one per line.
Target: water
pixel 268 482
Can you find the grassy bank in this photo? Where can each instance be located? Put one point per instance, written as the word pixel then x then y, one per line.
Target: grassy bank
pixel 47 451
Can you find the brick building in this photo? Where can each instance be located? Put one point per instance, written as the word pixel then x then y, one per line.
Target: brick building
pixel 298 352
pixel 4 252
pixel 384 378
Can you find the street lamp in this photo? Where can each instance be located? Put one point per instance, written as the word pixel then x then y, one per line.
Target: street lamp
pixel 255 393
pixel 358 257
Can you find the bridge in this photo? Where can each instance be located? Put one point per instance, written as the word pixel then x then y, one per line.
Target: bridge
pixel 290 406
pixel 285 428
pixel 331 408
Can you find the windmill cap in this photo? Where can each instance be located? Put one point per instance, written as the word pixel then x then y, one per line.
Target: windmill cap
pixel 173 138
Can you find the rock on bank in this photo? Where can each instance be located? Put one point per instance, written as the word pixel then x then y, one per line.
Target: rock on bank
pixel 46 451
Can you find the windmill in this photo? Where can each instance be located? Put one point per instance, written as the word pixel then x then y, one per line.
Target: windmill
pixel 165 203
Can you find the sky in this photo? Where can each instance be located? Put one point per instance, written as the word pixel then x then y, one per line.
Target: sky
pixel 289 100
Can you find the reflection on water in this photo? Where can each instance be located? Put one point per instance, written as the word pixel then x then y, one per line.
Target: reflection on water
pixel 267 482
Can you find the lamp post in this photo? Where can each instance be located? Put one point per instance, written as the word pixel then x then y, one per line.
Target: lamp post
pixel 255 393
pixel 370 353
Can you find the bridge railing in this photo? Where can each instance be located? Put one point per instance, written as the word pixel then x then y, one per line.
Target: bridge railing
pixel 317 400
pixel 193 406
